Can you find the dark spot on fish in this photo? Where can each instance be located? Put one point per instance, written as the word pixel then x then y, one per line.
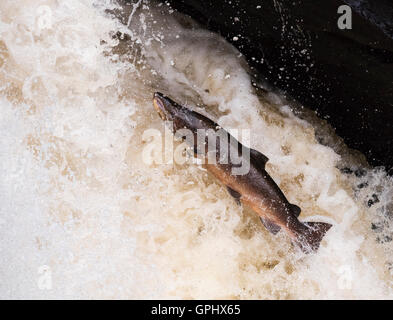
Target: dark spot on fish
pixel 207 90
pixel 373 200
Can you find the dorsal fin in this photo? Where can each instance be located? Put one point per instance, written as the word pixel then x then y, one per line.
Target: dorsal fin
pixel 258 157
pixel 295 210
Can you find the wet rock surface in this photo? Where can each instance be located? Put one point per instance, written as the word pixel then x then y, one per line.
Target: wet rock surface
pixel 346 76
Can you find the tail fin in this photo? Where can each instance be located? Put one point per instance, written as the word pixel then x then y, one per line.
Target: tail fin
pixel 310 239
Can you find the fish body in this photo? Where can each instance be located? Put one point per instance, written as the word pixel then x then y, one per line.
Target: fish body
pixel 253 187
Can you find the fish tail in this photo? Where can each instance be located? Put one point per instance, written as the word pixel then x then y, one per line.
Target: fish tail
pixel 310 238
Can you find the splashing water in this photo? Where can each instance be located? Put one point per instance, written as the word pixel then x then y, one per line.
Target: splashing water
pixel 82 216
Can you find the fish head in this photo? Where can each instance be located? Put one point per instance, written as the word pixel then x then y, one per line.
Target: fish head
pixel 180 116
pixel 166 107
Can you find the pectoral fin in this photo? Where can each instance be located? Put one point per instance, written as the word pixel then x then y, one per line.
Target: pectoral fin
pixel 259 158
pixel 236 195
pixel 271 226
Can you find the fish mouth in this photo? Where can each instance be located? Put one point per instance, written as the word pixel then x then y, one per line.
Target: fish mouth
pixel 159 105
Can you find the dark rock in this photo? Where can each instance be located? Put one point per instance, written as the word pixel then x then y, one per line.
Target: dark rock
pixel 346 76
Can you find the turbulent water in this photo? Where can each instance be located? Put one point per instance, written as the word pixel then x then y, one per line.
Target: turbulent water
pixel 83 216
